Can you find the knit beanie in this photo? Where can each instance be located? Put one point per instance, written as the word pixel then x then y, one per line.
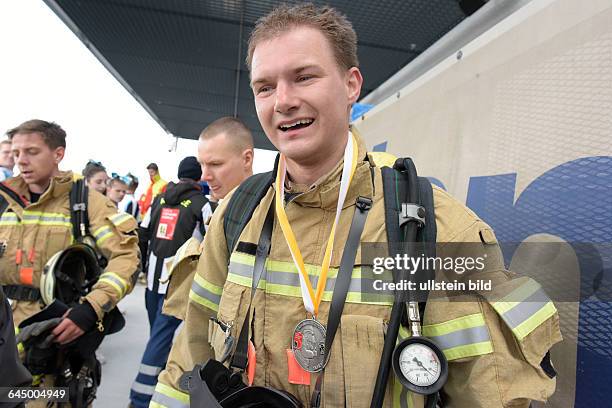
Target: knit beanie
pixel 189 168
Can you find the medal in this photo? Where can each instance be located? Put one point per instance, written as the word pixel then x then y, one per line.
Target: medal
pixel 308 341
pixel 308 345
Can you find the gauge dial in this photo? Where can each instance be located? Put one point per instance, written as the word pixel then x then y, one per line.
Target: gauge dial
pixel 419 364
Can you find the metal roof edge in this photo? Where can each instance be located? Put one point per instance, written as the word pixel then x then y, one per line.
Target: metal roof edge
pixel 469 29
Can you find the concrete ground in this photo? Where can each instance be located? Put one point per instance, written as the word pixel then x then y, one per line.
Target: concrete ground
pixel 122 352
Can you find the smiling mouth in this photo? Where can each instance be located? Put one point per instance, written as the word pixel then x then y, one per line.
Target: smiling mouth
pixel 298 124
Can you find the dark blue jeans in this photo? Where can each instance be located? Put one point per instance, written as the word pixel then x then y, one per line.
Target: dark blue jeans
pixel 154 359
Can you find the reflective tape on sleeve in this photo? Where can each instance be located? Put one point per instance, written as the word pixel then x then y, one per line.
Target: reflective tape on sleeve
pixel 205 293
pixel 466 336
pixel 525 308
pixel 167 397
pixel 115 281
pixel 102 234
pixel 120 218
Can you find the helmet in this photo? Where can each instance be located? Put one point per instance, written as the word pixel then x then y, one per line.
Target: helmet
pixel 69 274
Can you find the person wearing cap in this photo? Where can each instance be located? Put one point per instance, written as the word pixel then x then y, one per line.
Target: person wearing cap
pixel 157 186
pixel 174 216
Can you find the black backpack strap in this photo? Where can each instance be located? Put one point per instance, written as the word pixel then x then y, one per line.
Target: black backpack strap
pixel 13 195
pixel 243 203
pixel 429 233
pixel 79 216
pixel 395 188
pixel 3 205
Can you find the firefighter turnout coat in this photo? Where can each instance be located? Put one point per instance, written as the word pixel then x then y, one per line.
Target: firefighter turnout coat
pixel 31 235
pixel 495 349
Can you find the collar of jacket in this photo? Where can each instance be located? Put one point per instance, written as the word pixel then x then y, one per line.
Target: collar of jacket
pixel 60 185
pixel 324 192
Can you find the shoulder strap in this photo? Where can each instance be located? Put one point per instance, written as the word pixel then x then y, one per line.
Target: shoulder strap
pixel 243 203
pixel 395 188
pixel 3 205
pixel 429 233
pixel 13 195
pixel 79 216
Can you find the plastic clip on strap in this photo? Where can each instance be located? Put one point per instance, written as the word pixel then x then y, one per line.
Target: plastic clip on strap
pixel 411 212
pixel 240 358
pixel 342 285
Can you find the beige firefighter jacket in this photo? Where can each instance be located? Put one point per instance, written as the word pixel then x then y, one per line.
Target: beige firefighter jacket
pixel 180 276
pixel 493 362
pixel 44 228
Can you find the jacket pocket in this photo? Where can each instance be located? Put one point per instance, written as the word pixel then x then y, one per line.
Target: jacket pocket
pixel 362 344
pixel 230 320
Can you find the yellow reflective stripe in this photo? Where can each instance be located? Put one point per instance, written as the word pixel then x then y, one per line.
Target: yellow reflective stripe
pixel 9 218
pixel 167 397
pixel 469 350
pixel 217 290
pixel 460 323
pixel 515 297
pixel 46 218
pixel 102 234
pixel 282 278
pixel 522 330
pixel 20 348
pixel 525 308
pixel 115 281
pixel 120 218
pixel 202 301
pixel 466 336
pixel 205 293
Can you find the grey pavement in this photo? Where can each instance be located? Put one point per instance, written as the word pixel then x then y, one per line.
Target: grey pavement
pixel 122 352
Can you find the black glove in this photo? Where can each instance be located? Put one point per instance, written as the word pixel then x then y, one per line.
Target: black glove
pixel 36 329
pixel 84 316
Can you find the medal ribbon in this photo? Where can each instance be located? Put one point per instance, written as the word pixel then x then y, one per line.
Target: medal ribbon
pixel 310 298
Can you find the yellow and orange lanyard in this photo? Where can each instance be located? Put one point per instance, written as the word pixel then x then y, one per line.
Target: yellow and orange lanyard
pixel 311 299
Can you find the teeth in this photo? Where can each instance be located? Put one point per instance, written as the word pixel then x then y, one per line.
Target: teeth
pixel 298 122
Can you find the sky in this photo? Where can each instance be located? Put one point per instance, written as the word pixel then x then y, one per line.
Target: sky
pixel 47 73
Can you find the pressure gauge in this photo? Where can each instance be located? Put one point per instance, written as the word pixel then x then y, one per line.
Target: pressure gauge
pixel 420 365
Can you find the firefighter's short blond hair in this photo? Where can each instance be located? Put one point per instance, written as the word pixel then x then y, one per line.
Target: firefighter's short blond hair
pixel 331 23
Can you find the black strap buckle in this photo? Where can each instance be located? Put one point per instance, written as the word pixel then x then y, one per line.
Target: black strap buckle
pixel 363 203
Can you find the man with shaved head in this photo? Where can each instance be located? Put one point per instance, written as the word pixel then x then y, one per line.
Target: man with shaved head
pixel 225 151
pixel 225 156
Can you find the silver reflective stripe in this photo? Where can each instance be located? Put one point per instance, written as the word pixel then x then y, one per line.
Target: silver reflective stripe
pixel 205 293
pixel 47 218
pixel 357 285
pixel 527 308
pixel 108 276
pixel 167 401
pixel 149 369
pixel 462 337
pixel 142 388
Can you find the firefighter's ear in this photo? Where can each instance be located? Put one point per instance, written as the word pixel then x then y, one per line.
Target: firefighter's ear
pixel 58 154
